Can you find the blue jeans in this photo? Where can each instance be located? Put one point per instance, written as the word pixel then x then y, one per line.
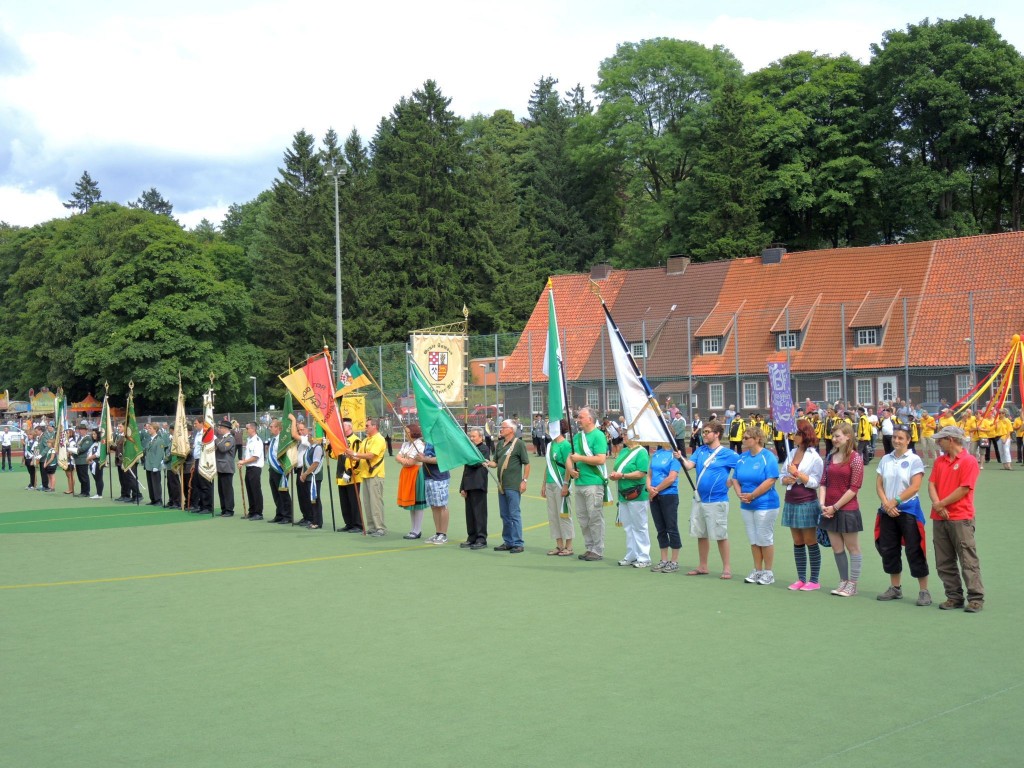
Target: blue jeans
pixel 511 519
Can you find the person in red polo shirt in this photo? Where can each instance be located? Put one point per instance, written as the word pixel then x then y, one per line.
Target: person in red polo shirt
pixel 951 489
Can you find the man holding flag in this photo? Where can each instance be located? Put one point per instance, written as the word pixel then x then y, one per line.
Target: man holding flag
pixel 278 474
pixel 586 465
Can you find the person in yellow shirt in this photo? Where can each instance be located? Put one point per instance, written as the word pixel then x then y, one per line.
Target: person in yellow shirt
pixel 1018 433
pixel 927 442
pixel 969 424
pixel 1003 431
pixel 987 433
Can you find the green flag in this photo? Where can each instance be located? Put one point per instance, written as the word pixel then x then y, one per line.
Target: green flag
pixel 132 443
pixel 106 433
pixel 451 444
pixel 554 370
pixel 285 440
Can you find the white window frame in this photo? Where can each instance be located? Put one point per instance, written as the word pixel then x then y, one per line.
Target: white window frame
pixel 593 399
pixel 638 349
pixel 996 384
pixel 538 402
pixel 716 396
pixel 750 387
pixel 867 337
pixel 857 386
pixel 931 390
pixel 837 386
pixel 614 402
pixel 885 384
pixel 788 340
pixel 712 345
pixel 691 401
pixel 964 384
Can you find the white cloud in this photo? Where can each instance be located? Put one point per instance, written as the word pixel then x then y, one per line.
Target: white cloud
pixel 134 93
pixel 21 207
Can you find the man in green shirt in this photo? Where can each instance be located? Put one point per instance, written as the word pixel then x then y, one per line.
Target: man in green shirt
pixel 513 465
pixel 586 467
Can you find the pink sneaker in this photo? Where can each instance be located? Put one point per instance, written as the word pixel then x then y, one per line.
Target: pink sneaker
pixel 796 585
pixel 810 586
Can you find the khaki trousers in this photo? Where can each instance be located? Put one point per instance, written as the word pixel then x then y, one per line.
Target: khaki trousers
pixel 953 541
pixel 589 499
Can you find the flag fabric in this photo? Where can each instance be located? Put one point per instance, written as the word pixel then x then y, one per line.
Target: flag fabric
pixel 352 377
pixel 180 447
pixel 645 422
pixel 313 386
pixel 452 446
pixel 207 450
pixel 60 416
pixel 554 369
pixel 106 432
pixel 132 443
pixel 782 397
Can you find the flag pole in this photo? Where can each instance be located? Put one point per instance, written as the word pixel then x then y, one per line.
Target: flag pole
pixel 651 400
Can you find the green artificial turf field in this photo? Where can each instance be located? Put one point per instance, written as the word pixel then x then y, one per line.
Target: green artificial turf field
pixel 158 638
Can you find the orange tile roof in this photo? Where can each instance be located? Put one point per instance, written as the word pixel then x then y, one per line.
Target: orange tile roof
pixel 826 292
pixel 579 314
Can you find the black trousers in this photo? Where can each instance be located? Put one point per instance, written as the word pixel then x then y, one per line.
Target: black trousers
pixel 31 475
pixel 122 479
pixel 253 489
pixel 155 486
pixel 97 478
pixel 886 444
pixel 890 532
pixel 82 470
pixel 282 499
pixel 226 492
pixel 173 488
pixel 476 517
pixel 312 510
pixel 348 495
pixel 5 457
pixel 202 493
pixel 665 512
pixel 131 478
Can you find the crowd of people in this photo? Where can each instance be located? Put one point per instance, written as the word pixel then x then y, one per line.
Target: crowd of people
pixel 590 463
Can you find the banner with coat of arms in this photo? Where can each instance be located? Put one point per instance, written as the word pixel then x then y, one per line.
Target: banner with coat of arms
pixel 443 358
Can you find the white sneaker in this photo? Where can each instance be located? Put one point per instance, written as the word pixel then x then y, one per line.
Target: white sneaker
pixel 642 564
pixel 439 538
pixel 838 591
pixel 753 577
pixel 95 497
pixel 432 539
pixel 625 562
pixel 766 578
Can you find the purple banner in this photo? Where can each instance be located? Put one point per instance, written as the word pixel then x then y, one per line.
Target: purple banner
pixel 781 393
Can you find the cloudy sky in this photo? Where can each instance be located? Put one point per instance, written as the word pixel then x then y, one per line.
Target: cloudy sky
pixel 200 98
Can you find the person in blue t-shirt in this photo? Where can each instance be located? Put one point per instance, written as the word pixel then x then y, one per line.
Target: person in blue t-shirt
pixel 435 483
pixel 709 513
pixel 754 481
pixel 663 489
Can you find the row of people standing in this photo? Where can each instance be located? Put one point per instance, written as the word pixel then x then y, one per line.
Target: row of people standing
pixel 820 508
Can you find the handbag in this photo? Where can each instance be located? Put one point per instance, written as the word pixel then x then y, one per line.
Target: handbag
pixel 633 493
pixel 822 535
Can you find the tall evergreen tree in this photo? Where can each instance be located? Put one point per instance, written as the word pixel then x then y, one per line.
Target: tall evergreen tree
pixel 294 271
pixel 151 200
pixel 86 195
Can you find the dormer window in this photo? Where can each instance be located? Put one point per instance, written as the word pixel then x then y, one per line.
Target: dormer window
pixel 711 346
pixel 789 340
pixel 867 337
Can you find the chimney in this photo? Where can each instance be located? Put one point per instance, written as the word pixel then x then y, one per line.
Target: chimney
pixel 676 265
pixel 600 271
pixel 772 255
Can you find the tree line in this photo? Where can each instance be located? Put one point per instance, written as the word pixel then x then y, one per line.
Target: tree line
pixel 683 153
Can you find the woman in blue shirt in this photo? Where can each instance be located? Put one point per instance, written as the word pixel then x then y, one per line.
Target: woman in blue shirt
pixel 754 480
pixel 663 490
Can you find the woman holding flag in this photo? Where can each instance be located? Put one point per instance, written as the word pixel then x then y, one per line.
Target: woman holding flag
pixel 556 490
